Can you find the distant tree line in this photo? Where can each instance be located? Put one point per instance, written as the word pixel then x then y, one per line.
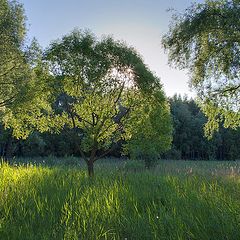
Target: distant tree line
pixel 189 141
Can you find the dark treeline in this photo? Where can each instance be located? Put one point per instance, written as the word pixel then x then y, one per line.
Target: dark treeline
pixel 189 141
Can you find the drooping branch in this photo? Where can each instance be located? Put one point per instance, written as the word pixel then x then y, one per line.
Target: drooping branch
pixel 232 89
pixel 7 71
pixel 8 101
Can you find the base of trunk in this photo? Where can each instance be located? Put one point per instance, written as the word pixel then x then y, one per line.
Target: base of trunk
pixel 90 169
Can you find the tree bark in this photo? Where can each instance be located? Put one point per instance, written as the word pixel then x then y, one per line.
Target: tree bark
pixel 90 168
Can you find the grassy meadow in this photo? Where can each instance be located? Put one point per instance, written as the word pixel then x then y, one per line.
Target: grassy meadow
pixel 54 199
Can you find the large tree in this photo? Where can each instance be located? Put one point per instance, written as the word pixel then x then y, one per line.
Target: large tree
pixel 103 91
pixel 206 41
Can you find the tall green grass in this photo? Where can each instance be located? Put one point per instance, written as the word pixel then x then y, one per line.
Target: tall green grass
pixel 123 202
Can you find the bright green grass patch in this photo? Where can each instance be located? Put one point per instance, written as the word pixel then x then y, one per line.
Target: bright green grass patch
pixel 62 203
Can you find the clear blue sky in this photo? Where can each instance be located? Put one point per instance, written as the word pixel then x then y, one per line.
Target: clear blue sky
pixel 140 23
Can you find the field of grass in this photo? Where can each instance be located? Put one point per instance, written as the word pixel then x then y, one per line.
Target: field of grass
pixel 176 200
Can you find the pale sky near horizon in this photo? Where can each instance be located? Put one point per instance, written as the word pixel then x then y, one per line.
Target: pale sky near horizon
pixel 140 23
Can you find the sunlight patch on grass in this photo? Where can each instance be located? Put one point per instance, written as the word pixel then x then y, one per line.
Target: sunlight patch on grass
pixel 39 202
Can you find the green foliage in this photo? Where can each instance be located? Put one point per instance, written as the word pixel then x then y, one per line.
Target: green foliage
pixel 62 203
pixel 107 88
pixel 188 135
pixel 99 88
pixel 151 134
pixel 35 113
pixel 22 94
pixel 14 72
pixel 188 140
pixel 206 41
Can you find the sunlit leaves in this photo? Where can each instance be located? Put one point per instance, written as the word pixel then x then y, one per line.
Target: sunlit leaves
pixel 206 41
pixel 14 71
pixel 105 88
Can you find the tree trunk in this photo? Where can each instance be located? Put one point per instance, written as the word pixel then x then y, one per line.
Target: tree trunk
pixel 91 161
pixel 90 168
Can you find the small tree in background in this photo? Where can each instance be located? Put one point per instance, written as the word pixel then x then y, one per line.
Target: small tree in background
pixel 151 134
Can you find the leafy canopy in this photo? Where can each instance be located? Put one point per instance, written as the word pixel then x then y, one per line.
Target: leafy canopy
pixel 18 67
pixel 102 90
pixel 13 68
pixel 206 40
